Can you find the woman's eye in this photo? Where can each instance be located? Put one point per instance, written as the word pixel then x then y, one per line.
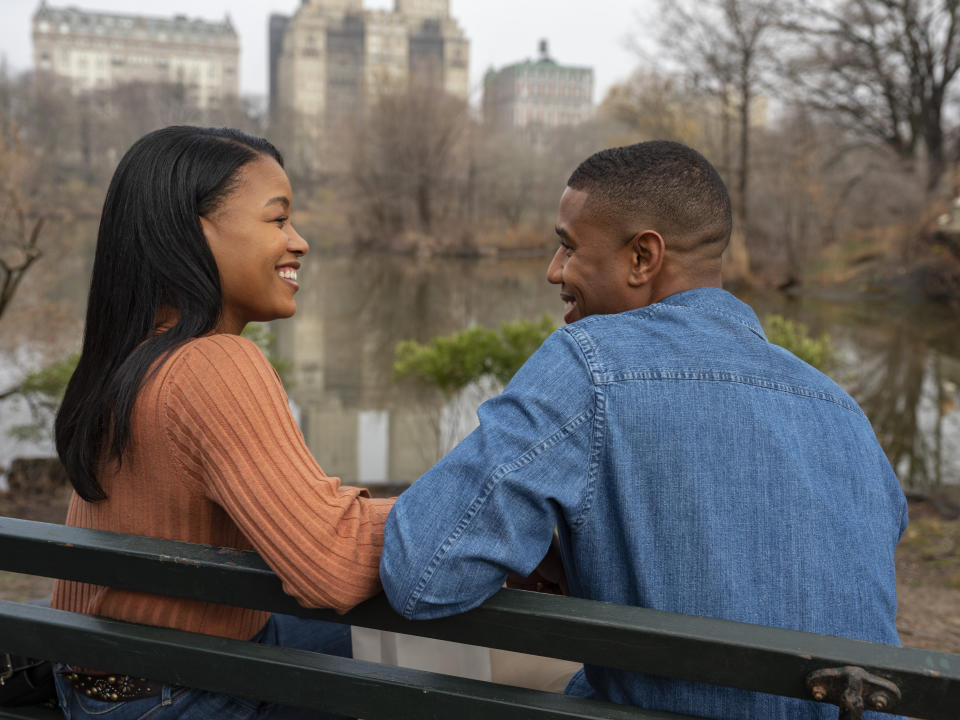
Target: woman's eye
pixel 281 221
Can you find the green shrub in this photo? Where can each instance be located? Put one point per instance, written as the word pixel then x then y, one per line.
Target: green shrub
pixel 260 334
pixel 43 390
pixel 795 337
pixel 452 362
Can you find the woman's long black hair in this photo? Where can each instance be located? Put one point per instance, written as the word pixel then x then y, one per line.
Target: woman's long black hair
pixel 152 260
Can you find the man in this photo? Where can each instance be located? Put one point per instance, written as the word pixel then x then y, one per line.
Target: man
pixel 687 464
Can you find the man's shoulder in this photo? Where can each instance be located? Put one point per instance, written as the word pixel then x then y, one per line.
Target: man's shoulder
pixel 701 335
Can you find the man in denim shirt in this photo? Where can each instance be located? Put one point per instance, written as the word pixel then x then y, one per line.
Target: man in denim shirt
pixel 687 464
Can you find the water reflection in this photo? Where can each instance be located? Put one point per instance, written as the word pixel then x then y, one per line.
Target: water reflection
pixel 352 311
pixel 901 362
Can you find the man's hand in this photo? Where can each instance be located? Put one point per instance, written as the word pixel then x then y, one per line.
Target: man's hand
pixel 548 576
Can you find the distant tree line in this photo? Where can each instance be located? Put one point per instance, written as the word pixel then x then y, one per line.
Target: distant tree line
pixel 834 123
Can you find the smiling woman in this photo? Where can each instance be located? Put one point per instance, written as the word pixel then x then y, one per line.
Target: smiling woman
pixel 256 247
pixel 174 426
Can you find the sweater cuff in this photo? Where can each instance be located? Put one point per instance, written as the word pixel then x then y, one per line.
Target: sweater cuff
pixel 380 508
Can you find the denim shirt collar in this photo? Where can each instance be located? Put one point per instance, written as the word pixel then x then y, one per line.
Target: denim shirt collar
pixel 715 301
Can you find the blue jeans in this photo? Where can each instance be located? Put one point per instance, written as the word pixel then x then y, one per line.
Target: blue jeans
pixel 189 704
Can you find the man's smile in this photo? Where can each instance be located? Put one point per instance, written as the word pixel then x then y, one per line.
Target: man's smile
pixel 569 306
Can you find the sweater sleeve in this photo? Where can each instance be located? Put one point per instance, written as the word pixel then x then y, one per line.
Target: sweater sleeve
pixel 229 427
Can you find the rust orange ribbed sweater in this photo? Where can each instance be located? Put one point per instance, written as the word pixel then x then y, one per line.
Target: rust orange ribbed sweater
pixel 215 457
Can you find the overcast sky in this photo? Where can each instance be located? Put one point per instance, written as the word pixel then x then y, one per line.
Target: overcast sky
pixel 500 31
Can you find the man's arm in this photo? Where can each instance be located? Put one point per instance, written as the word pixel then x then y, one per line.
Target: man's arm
pixel 489 508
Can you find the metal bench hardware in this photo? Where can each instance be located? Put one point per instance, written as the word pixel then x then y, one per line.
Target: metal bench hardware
pixel 6 668
pixel 853 689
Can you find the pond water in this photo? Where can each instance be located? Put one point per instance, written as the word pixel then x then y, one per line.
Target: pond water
pixel 900 361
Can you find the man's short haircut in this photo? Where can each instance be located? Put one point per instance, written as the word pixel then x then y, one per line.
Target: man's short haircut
pixel 665 185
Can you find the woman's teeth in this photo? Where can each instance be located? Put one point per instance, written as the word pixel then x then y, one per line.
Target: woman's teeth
pixel 288 274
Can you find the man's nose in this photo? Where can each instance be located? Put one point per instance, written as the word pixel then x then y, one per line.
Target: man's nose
pixel 555 269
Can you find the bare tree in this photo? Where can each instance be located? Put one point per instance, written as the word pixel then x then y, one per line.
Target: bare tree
pixel 508 169
pixel 657 105
pixel 725 46
pixel 405 166
pixel 884 68
pixel 18 245
pixel 19 231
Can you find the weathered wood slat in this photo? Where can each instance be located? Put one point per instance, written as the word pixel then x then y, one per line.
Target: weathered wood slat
pixel 750 657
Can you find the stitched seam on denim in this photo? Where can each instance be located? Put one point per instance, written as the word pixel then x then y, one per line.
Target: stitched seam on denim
pixel 176 694
pixel 708 376
pixel 584 341
pixel 587 348
pixel 471 512
pixel 596 449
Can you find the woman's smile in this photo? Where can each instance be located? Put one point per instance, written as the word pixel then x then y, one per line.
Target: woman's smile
pixel 288 273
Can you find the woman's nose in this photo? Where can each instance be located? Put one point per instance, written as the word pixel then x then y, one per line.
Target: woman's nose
pixel 296 243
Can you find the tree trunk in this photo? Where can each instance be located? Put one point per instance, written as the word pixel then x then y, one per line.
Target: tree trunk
pixel 739 252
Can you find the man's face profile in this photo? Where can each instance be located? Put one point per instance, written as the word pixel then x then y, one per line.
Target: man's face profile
pixel 592 265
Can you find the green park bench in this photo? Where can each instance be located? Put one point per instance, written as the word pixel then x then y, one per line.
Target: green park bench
pixel 913 682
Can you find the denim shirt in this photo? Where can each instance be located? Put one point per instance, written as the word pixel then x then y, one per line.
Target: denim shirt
pixel 688 465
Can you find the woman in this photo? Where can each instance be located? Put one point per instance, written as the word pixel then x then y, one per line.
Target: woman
pixel 174 426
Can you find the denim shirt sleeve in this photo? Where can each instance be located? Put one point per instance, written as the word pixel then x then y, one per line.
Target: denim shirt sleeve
pixel 490 507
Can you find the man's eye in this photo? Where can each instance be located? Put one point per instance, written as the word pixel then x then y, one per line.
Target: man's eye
pixel 567 250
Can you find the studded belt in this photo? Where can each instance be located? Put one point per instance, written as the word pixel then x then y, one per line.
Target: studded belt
pixel 111 688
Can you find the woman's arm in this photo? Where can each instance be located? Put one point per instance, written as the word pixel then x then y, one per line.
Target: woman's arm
pixel 228 422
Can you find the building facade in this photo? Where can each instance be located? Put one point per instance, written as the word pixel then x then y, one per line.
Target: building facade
pixel 99 51
pixel 332 59
pixel 537 94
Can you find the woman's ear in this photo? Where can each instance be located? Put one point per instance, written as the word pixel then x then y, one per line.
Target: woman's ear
pixel 647 251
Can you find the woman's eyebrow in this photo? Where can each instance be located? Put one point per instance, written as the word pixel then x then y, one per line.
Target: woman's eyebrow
pixel 282 199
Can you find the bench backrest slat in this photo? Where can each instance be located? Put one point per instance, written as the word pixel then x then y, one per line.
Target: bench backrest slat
pixel 298 677
pixel 746 656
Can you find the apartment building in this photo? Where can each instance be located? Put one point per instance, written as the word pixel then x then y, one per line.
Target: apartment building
pixel 98 51
pixel 539 93
pixel 332 58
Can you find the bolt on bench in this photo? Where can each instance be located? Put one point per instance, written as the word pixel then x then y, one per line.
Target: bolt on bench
pixel 852 674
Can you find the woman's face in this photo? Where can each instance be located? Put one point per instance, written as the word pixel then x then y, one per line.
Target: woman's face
pixel 256 247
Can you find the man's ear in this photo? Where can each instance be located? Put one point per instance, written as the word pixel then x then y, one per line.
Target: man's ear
pixel 647 250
